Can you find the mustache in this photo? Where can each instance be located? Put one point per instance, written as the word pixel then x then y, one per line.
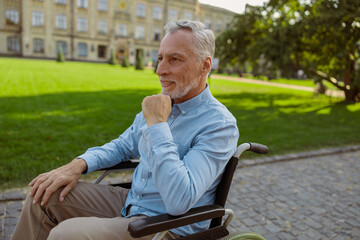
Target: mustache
pixel 166 79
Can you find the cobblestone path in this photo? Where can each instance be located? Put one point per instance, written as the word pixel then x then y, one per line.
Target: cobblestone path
pixel 306 198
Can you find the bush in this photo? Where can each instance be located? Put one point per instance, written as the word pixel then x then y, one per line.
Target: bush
pixel 60 56
pixel 125 62
pixel 139 63
pixel 112 60
pixel 156 66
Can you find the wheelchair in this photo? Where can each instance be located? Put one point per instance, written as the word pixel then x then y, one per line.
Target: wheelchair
pixel 161 224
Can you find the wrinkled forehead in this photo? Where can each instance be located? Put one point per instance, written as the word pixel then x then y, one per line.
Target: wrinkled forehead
pixel 179 41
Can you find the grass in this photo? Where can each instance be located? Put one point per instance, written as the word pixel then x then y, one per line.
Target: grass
pixel 52 112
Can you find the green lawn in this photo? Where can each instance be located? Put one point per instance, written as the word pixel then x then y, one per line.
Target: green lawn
pixel 52 112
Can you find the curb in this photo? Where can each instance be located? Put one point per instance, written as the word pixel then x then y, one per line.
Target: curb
pixel 297 156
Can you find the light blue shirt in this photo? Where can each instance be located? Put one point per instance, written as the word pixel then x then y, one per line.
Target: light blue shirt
pixel 181 161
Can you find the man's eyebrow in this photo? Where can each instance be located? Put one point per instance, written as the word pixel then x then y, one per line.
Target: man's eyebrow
pixel 171 55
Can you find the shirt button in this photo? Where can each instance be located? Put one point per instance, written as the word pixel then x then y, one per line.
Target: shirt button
pixel 143 180
pixel 183 112
pixel 138 196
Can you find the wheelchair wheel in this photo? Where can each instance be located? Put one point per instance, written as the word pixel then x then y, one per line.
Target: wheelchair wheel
pixel 243 236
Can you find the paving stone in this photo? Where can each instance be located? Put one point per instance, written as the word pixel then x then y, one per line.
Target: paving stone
pixel 272 228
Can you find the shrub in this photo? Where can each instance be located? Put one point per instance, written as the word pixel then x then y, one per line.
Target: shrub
pixel 60 56
pixel 125 62
pixel 112 60
pixel 139 63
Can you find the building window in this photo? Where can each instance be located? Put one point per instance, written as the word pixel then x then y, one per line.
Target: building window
pixel 60 2
pixel 82 3
pixel 157 35
pixel 154 55
pixel 103 5
pixel 122 30
pixel 82 25
pixel 188 16
pixel 12 17
pixel 141 10
pixel 13 44
pixel 157 13
pixel 218 27
pixel 139 32
pixel 38 45
pixel 102 27
pixel 62 45
pixel 207 24
pixel 82 50
pixel 60 21
pixel 37 18
pixel 173 15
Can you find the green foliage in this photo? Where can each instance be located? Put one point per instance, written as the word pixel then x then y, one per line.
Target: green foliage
pixel 112 60
pixel 125 62
pixel 139 65
pixel 60 55
pixel 319 37
pixel 156 66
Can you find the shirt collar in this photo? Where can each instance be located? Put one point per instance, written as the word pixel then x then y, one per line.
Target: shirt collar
pixel 194 102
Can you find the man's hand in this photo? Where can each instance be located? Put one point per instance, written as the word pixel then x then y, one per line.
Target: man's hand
pixel 156 109
pixel 47 183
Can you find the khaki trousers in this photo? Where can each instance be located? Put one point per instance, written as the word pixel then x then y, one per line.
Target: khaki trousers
pixel 89 211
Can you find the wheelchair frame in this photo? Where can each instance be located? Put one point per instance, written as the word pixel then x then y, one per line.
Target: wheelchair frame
pixel 163 223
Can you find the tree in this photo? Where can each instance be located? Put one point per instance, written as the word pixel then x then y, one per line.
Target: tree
pixel 139 65
pixel 60 55
pixel 125 62
pixel 320 37
pixel 112 60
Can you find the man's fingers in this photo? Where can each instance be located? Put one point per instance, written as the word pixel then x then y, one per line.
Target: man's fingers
pixel 40 189
pixel 65 191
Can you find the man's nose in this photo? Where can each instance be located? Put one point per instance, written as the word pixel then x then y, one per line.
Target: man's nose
pixel 162 68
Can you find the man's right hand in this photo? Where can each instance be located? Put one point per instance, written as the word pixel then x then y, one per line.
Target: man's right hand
pixel 46 184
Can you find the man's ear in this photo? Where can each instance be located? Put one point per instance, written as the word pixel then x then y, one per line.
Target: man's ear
pixel 206 65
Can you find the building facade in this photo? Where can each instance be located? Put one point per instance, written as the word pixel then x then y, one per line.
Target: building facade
pixel 89 30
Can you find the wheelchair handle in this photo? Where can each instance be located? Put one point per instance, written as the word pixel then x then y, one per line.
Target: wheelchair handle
pixel 258 148
pixel 250 146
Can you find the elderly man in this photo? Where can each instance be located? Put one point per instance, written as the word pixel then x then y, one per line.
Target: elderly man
pixel 183 149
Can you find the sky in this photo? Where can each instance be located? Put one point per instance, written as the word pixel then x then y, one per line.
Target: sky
pixel 237 6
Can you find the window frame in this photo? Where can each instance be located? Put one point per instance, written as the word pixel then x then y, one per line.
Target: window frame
pixel 61 21
pixel 82 52
pixel 157 13
pixel 141 10
pixel 37 18
pixel 12 17
pixel 13 41
pixel 82 3
pixel 82 25
pixel 103 5
pixel 38 42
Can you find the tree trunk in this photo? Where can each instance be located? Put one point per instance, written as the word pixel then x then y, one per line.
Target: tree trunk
pixel 352 95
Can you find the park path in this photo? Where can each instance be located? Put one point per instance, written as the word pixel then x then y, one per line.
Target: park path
pixel 329 92
pixel 311 195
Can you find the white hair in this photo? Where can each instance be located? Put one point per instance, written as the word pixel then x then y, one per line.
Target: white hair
pixel 204 39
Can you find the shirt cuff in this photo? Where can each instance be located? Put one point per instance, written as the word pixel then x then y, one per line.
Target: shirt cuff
pixel 90 160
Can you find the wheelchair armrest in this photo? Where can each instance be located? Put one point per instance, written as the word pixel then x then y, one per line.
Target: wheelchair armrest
pixel 155 224
pixel 128 165
pixel 131 164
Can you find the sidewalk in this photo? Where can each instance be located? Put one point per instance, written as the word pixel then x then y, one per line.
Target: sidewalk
pixel 329 92
pixel 313 195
